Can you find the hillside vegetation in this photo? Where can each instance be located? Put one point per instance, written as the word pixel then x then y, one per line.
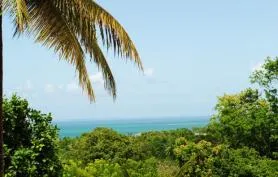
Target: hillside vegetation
pixel 241 140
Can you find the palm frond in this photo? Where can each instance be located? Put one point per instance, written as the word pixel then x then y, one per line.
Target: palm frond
pixel 115 35
pixel 86 33
pixel 90 15
pixel 19 11
pixel 100 59
pixel 52 30
pixel 84 17
pixel 70 27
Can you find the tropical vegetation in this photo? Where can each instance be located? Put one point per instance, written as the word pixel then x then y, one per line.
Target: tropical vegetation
pixel 240 140
pixel 71 28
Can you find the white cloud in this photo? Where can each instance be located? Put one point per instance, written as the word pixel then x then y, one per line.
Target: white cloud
pixel 25 90
pixel 49 88
pixel 149 72
pixel 97 78
pixel 72 87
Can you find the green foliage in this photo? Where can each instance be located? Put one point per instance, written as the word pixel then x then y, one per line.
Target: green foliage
pixel 153 144
pixel 194 158
pixel 245 119
pixel 267 74
pixel 73 168
pixel 103 168
pixel 267 77
pixel 100 168
pixel 23 163
pixel 159 144
pixel 102 143
pixel 241 140
pixel 30 141
pixel 203 159
pixel 146 168
pixel 167 168
pixel 243 132
pixel 243 162
pixel 142 155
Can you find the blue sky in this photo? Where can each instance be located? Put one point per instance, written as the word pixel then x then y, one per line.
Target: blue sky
pixel 192 51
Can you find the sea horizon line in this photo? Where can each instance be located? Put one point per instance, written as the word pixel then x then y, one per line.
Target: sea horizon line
pixel 133 118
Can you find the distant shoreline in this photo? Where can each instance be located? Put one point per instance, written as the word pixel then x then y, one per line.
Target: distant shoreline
pixel 129 126
pixel 131 118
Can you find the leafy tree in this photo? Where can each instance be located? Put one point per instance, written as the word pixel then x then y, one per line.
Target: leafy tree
pixel 267 77
pixel 245 120
pixel 144 155
pixel 144 168
pixel 73 168
pixel 66 148
pixel 103 168
pixel 22 163
pixel 159 143
pixel 70 28
pixel 240 140
pixel 30 141
pixel 167 168
pixel 193 158
pixel 242 162
pixel 156 143
pixel 102 143
pixel 202 159
pixel 100 168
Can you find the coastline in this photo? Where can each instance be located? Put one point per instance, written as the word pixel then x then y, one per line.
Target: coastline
pixel 129 126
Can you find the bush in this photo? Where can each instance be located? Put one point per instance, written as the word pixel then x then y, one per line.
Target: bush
pixel 30 141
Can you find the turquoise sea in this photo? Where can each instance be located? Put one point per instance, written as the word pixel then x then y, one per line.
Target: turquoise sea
pixel 129 126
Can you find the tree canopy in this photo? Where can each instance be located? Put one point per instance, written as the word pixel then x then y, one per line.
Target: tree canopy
pixel 241 140
pixel 30 141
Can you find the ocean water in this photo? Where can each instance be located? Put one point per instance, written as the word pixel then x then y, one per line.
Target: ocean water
pixel 129 126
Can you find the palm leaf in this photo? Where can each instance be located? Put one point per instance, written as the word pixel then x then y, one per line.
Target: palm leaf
pixel 86 14
pixel 100 59
pixel 51 29
pixel 86 32
pixel 70 27
pixel 19 12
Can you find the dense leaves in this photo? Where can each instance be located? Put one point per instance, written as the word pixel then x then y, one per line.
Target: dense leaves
pixel 100 168
pixel 102 143
pixel 267 77
pixel 30 141
pixel 245 119
pixel 137 156
pixel 203 159
pixel 240 140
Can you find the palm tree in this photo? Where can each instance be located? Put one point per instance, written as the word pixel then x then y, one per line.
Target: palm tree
pixel 73 28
